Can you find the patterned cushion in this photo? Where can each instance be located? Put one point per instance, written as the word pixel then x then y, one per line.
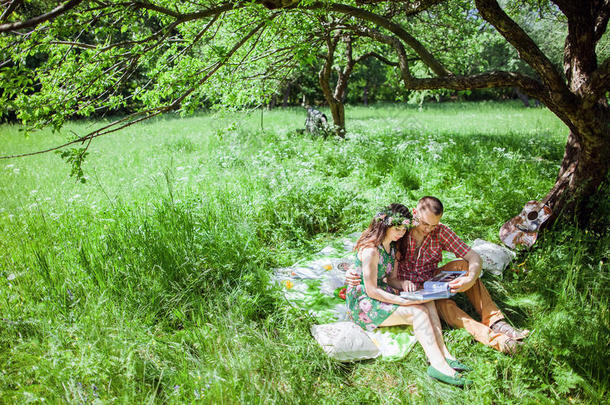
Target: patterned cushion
pixel 345 341
pixel 495 258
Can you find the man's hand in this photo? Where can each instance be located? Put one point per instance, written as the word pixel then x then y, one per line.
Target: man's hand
pixel 352 277
pixel 408 285
pixel 466 282
pixel 462 284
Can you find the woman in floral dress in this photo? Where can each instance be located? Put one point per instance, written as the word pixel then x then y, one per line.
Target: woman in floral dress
pixel 374 303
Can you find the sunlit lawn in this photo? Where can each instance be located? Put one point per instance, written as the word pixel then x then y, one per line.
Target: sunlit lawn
pixel 149 283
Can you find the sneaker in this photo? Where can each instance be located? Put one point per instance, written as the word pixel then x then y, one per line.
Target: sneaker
pixel 456 380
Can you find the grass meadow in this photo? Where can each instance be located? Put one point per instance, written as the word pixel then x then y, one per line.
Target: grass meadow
pixel 150 282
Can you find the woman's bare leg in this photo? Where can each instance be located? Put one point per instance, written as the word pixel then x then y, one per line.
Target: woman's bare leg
pixel 419 317
pixel 438 331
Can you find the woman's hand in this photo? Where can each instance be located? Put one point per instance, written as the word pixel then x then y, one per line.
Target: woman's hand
pixel 352 277
pixel 370 260
pixel 409 286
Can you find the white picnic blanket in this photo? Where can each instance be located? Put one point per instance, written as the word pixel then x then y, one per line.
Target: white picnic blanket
pixel 315 285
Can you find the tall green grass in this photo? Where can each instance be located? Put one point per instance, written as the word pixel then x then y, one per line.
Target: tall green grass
pixel 150 282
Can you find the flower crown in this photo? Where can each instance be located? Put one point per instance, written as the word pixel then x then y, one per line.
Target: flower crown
pixel 391 218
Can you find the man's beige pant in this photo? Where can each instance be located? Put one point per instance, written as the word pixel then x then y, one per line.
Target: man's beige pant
pixel 482 303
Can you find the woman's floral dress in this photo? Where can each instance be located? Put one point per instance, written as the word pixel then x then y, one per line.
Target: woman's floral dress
pixel 365 311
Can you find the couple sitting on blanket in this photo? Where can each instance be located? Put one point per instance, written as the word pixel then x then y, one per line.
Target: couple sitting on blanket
pixel 399 251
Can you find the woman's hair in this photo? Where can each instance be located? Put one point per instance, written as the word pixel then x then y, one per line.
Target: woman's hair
pixel 392 215
pixel 402 246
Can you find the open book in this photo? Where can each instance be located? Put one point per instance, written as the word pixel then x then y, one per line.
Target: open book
pixel 435 288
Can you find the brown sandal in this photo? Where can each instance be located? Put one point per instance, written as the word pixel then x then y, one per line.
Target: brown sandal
pixel 506 329
pixel 512 346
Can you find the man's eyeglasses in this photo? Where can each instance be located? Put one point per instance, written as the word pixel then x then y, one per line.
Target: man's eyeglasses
pixel 424 223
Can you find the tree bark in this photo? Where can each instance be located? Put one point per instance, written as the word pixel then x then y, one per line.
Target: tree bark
pixel 584 168
pixel 337 109
pixel 574 191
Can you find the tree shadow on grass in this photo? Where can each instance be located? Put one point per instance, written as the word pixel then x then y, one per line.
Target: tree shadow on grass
pixel 564 295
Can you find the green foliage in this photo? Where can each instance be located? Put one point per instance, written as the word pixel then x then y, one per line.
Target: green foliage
pixel 116 58
pixel 150 282
pixel 75 158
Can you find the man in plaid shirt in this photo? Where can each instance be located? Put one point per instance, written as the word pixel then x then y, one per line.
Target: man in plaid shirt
pixel 420 252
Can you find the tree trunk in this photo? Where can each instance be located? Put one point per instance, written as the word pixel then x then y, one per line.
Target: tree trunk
pixel 337 110
pixel 584 168
pixel 586 158
pixel 334 102
pixel 365 95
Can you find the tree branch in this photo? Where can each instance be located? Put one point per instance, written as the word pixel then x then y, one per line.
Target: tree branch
pixel 529 85
pixel 394 43
pixel 144 115
pixel 377 56
pixel 396 29
pixel 189 16
pixel 409 7
pixel 324 73
pixel 344 74
pixel 12 5
pixel 159 9
pixel 83 45
pixel 197 38
pixel 168 29
pixel 57 11
pixel 526 47
pixel 569 7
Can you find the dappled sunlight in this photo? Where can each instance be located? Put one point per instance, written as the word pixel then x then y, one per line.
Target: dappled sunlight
pixel 155 272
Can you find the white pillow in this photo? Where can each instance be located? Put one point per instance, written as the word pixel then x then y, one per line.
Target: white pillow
pixel 345 341
pixel 495 257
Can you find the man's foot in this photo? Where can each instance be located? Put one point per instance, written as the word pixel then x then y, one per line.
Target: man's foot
pixel 456 379
pixel 506 329
pixel 512 346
